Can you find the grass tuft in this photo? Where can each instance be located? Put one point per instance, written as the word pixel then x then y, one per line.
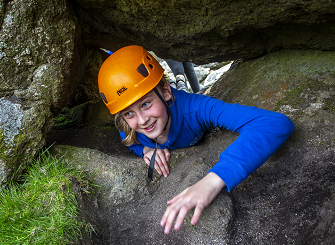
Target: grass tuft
pixel 42 210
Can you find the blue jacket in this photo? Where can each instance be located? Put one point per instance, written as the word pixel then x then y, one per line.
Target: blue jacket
pixel 261 133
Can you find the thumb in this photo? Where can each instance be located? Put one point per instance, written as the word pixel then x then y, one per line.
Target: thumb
pixel 146 159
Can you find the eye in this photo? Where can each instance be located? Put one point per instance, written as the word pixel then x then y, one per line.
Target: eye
pixel 128 114
pixel 146 104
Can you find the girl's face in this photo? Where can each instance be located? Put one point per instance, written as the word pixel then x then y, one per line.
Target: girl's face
pixel 148 115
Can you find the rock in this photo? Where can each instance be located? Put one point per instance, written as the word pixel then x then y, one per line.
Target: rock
pixel 202 72
pixel 207 74
pixel 207 31
pixel 215 75
pixel 123 179
pixel 287 198
pixel 39 69
pixel 130 207
pixel 275 74
pixel 87 89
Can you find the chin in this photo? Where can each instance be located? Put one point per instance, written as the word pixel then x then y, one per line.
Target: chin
pixel 153 135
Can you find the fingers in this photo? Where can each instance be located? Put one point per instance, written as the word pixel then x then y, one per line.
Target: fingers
pixel 197 196
pixel 147 161
pixel 197 212
pixel 177 205
pixel 181 216
pixel 161 162
pixel 178 210
pixel 167 154
pixel 161 159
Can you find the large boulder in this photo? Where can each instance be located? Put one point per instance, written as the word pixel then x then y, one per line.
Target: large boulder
pixel 128 207
pixel 287 200
pixel 39 60
pixel 203 31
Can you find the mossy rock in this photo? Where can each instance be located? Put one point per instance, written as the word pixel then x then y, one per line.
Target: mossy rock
pixel 280 78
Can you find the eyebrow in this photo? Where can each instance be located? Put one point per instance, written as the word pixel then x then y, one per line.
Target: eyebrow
pixel 145 97
pixel 140 100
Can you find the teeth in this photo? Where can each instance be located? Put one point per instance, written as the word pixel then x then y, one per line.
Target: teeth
pixel 151 126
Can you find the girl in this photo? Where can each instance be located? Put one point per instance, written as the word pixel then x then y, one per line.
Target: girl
pixel 153 117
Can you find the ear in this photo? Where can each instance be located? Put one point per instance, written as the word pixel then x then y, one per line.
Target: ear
pixel 167 92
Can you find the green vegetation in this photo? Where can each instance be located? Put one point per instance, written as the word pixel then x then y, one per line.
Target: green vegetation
pixel 190 224
pixel 63 120
pixel 305 94
pixel 42 210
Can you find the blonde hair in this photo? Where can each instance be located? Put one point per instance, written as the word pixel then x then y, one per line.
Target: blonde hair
pixel 121 123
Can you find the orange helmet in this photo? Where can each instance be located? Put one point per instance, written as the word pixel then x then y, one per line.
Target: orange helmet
pixel 126 76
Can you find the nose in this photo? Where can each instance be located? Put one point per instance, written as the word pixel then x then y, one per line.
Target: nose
pixel 142 118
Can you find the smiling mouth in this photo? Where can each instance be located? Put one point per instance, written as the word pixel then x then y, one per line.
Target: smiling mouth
pixel 151 127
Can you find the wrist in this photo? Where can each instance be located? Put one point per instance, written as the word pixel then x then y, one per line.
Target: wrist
pixel 145 150
pixel 215 181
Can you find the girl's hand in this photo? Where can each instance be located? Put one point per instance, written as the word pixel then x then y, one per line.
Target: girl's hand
pixel 198 195
pixel 162 157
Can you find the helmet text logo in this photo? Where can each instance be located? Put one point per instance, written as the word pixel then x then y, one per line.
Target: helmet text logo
pixel 121 90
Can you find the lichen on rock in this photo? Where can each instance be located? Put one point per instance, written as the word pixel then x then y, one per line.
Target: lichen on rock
pixel 10 120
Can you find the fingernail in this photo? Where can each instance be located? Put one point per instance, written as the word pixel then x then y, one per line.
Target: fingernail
pixel 160 173
pixel 176 226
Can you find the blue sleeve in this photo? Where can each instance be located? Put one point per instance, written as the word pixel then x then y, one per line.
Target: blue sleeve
pixel 261 133
pixel 135 148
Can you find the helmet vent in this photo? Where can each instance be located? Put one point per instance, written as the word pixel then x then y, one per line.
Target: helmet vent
pixel 103 98
pixel 151 66
pixel 142 70
pixel 148 57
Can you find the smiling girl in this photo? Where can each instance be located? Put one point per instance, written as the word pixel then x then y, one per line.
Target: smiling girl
pixel 153 117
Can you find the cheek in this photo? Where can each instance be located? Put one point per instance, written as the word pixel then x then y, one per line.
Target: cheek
pixel 160 111
pixel 132 123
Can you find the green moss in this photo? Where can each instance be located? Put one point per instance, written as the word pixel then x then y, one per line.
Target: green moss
pixel 12 161
pixel 63 120
pixel 329 104
pixel 291 98
pixel 2 145
pixel 111 128
pixel 302 96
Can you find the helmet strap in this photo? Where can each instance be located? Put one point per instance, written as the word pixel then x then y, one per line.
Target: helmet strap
pixel 152 160
pixel 168 111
